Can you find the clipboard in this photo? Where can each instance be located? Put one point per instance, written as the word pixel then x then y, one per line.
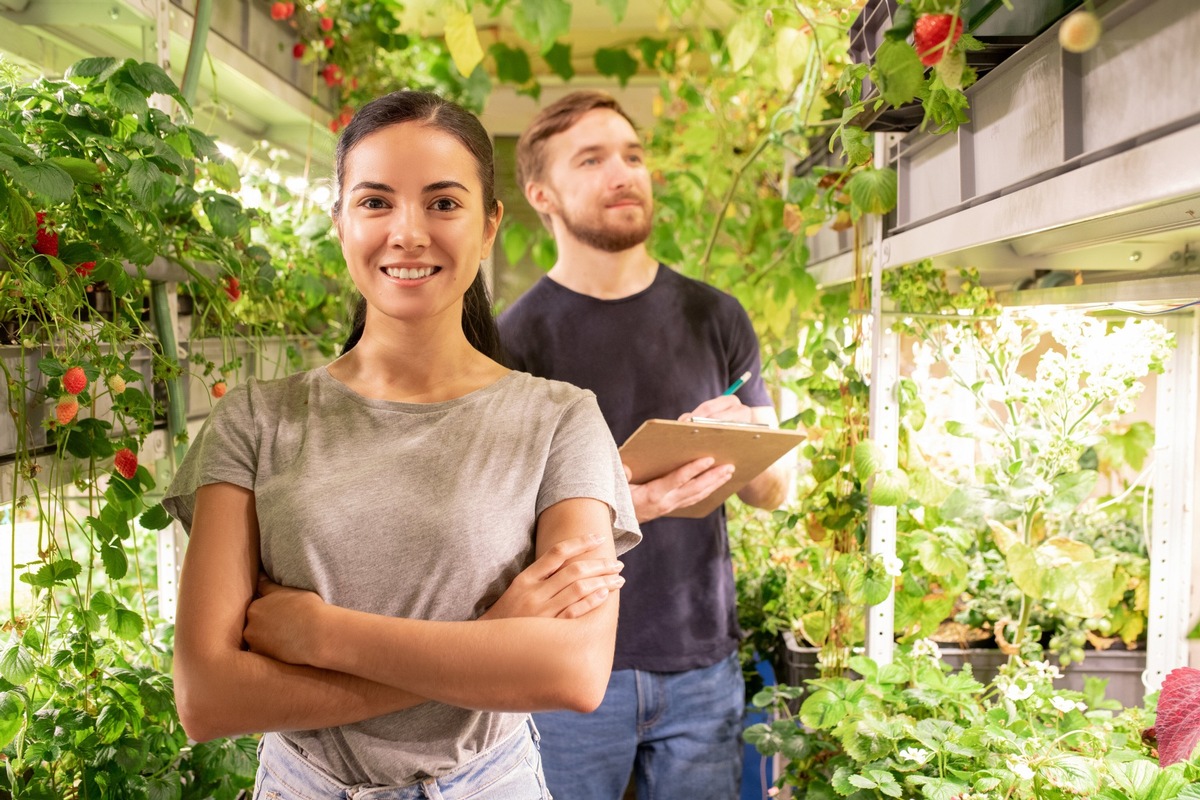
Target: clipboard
pixel 662 445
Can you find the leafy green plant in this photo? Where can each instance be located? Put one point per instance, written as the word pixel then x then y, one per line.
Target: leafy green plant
pixel 1033 435
pixel 914 728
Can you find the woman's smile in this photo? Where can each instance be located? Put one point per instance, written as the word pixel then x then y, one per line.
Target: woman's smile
pixel 410 274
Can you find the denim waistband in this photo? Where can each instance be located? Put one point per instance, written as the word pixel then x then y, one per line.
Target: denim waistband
pixel 307 781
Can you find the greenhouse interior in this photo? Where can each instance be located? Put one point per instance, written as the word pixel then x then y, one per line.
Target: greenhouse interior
pixel 897 498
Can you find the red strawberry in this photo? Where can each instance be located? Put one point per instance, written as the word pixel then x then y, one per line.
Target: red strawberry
pixel 116 384
pixel 930 35
pixel 125 462
pixel 75 381
pixel 326 24
pixel 332 74
pixel 233 289
pixel 329 43
pixel 334 125
pixel 47 240
pixel 281 11
pixel 85 268
pixel 66 409
pixel 298 49
pixel 218 389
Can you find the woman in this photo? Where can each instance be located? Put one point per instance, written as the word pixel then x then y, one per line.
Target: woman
pixel 396 499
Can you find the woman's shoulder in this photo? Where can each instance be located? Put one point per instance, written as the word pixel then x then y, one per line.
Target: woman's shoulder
pixel 262 395
pixel 552 393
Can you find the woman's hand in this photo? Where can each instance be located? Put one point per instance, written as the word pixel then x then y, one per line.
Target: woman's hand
pixel 281 622
pixel 551 587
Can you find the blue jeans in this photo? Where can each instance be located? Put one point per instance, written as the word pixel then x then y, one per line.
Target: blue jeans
pixel 678 732
pixel 511 770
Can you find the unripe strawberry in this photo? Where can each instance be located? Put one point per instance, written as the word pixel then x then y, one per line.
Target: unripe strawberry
pixel 75 380
pixel 218 389
pixel 116 384
pixel 1079 32
pixel 125 462
pixel 66 409
pixel 950 69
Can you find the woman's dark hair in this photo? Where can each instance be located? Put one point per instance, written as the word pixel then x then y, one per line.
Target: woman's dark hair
pixel 429 109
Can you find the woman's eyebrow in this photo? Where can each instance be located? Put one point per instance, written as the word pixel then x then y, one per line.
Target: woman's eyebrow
pixel 373 186
pixel 440 185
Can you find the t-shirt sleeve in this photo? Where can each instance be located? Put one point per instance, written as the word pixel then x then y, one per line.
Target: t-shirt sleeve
pixel 583 462
pixel 744 356
pixel 510 342
pixel 224 451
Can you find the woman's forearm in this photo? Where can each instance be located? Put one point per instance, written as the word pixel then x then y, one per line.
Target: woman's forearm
pixel 527 664
pixel 239 692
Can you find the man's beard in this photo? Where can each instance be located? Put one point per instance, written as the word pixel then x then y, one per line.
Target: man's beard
pixel 611 239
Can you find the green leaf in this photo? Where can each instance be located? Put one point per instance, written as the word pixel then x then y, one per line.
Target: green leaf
pixel 165 787
pixel 100 68
pixel 512 64
pixel 868 459
pixel 515 239
pixel 902 23
pixel 1134 778
pixel 873 191
pixel 16 665
pixel 558 58
pixel 127 98
pixel 225 213
pixel 544 252
pixel 823 709
pixel 126 624
pixel 224 174
pixel 897 72
pixel 1081 590
pixel 12 716
pixel 155 518
pixel 857 144
pixel 1070 490
pixel 1024 569
pixel 80 169
pixel 51 367
pixel 889 488
pixel 116 564
pixel 616 63
pixel 617 7
pixel 202 145
pixel 542 22
pixel 145 181
pixel 463 41
pixel 743 41
pixel 89 438
pixel 154 80
pixel 47 180
pixel 1073 774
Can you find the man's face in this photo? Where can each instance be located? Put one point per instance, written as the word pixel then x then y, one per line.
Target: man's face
pixel 597 184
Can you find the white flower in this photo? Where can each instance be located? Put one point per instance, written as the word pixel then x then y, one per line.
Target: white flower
pixel 1082 706
pixel 927 647
pixel 892 565
pixel 773 791
pixel 1017 692
pixel 1062 704
pixel 917 754
pixel 1020 769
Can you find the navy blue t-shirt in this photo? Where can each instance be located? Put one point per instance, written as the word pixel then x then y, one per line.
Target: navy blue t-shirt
pixel 656 354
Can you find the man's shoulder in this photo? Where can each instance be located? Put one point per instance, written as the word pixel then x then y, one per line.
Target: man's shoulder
pixel 699 291
pixel 532 301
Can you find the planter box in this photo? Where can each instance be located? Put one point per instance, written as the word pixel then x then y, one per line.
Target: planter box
pixel 1122 668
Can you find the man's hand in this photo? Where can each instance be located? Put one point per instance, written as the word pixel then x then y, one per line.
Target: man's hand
pixel 686 486
pixel 551 587
pixel 727 406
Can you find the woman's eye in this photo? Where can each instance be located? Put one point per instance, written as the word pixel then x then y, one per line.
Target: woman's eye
pixel 444 204
pixel 373 202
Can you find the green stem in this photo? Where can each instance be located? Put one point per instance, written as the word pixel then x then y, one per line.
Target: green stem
pixel 719 217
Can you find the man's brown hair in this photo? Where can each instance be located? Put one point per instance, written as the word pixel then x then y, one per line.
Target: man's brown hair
pixel 553 120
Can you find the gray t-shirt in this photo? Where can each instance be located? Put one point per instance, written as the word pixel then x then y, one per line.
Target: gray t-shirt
pixel 416 510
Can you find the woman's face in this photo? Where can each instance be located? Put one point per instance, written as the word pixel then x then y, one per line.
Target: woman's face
pixel 412 221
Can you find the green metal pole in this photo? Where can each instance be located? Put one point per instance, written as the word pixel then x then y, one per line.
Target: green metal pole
pixel 164 322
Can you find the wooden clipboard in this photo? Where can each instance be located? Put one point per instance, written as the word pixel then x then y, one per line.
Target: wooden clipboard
pixel 662 445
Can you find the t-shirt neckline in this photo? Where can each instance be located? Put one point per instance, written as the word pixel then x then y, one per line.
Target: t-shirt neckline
pixel 659 276
pixel 413 408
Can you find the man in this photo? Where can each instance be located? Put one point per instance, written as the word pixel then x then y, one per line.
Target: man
pixel 651 344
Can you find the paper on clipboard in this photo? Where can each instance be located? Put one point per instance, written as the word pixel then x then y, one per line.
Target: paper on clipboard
pixel 662 445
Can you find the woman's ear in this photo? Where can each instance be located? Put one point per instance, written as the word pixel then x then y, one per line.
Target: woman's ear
pixel 491 227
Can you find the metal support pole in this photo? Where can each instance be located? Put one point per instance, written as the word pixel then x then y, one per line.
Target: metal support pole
pixel 1173 524
pixel 885 427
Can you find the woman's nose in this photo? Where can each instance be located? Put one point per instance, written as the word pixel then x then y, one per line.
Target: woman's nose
pixel 409 231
